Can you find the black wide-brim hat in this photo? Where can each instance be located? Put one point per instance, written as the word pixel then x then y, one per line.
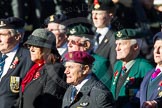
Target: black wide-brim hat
pixel 42 38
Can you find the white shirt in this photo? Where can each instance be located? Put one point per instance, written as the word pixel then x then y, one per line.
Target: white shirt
pixel 9 60
pixel 62 49
pixel 103 32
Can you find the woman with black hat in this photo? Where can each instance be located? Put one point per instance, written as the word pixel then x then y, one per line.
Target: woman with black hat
pixel 43 86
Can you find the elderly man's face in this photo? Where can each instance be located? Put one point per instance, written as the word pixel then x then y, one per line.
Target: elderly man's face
pixel 59 31
pixel 125 50
pixel 75 44
pixel 7 40
pixel 158 52
pixel 101 18
pixel 74 73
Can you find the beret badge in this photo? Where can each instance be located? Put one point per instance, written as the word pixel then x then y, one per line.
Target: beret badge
pixel 72 31
pixel 97 6
pixel 119 34
pixel 70 55
pixel 51 18
pixel 2 24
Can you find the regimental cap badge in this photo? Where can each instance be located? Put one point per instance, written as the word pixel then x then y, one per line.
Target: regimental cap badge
pixel 72 31
pixel 2 23
pixel 70 55
pixel 52 18
pixel 119 34
pixel 96 4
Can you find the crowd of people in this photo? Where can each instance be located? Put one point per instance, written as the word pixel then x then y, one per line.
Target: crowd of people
pixel 109 56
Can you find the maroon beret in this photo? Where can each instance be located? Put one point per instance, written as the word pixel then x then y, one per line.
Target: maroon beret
pixel 79 57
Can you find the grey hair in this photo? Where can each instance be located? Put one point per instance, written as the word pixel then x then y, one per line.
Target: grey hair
pixel 90 40
pixel 137 41
pixel 20 31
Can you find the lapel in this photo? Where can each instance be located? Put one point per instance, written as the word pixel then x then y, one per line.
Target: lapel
pixel 84 93
pixel 38 79
pixel 156 86
pixel 19 55
pixel 144 86
pixel 106 39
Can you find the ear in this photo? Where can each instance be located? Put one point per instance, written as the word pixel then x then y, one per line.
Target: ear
pixel 18 36
pixel 86 69
pixel 135 46
pixel 87 45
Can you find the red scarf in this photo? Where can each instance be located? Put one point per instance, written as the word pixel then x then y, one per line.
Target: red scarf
pixel 30 74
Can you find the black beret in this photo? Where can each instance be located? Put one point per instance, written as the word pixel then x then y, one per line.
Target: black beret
pixel 102 4
pixel 158 36
pixel 12 23
pixel 58 18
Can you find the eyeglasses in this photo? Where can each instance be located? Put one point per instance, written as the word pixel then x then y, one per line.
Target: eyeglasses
pixel 79 43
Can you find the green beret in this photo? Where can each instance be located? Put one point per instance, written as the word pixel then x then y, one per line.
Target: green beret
pixel 80 31
pixel 102 4
pixel 128 34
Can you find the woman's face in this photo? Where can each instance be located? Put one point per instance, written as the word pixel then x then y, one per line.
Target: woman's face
pixel 38 53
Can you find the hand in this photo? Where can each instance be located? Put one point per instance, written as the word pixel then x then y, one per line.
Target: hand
pixel 149 104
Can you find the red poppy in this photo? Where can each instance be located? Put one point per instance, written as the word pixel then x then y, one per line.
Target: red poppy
pixel 116 73
pixel 160 83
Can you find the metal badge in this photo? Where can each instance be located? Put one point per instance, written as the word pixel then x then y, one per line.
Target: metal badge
pixel 119 34
pixel 73 31
pixel 2 24
pixel 97 6
pixel 52 18
pixel 83 104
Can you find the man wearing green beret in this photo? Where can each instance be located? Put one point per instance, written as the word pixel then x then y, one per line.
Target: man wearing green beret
pixel 130 68
pixel 80 39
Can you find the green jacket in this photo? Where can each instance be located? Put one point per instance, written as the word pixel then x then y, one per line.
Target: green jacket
pixel 100 69
pixel 132 83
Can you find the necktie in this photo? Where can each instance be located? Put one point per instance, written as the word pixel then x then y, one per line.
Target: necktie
pixel 124 69
pixel 2 62
pixel 73 94
pixel 96 37
pixel 155 74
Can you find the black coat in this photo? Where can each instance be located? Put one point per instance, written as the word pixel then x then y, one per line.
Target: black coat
pixel 9 88
pixel 47 90
pixel 93 94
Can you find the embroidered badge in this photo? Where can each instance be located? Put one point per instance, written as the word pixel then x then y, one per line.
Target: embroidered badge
pixel 14 84
pixel 14 63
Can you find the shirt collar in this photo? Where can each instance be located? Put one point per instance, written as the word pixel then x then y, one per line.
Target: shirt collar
pixel 79 86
